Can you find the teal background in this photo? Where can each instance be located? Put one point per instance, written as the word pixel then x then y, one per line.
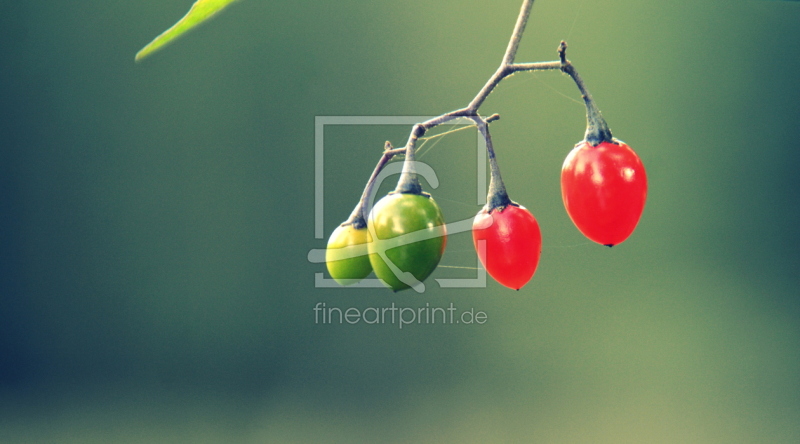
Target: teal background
pixel 156 218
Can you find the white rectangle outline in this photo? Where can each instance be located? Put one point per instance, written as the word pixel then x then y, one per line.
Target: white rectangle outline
pixel 319 142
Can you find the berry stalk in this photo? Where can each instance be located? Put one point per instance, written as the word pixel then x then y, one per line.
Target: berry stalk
pixel 358 218
pixel 497 197
pixel 597 130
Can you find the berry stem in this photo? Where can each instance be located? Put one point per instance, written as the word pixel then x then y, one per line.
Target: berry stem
pixel 358 218
pixel 497 197
pixel 408 183
pixel 516 35
pixel 597 130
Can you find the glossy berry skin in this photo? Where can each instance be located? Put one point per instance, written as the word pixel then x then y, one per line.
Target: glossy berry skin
pixel 346 256
pixel 604 189
pixel 512 244
pixel 417 216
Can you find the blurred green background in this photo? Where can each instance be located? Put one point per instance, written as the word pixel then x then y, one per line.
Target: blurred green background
pixel 155 222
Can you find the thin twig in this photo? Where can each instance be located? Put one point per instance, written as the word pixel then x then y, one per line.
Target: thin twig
pixel 516 35
pixel 498 196
pixel 358 218
pixel 597 130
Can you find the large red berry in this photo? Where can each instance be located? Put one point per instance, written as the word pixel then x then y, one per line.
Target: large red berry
pixel 508 243
pixel 604 188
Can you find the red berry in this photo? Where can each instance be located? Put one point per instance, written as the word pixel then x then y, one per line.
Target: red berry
pixel 513 244
pixel 604 188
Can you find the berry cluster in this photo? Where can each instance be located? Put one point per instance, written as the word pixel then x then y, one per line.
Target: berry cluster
pixel 402 238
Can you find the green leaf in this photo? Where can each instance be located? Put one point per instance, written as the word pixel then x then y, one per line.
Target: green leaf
pixel 201 11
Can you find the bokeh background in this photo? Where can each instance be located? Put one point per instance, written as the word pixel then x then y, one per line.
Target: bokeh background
pixel 156 218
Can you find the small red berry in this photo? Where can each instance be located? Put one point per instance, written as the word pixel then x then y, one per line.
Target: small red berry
pixel 604 189
pixel 512 244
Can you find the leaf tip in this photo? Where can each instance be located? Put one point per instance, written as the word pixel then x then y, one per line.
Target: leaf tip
pixel 200 11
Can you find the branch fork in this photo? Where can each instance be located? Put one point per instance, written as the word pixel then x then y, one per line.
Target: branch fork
pixel 597 130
